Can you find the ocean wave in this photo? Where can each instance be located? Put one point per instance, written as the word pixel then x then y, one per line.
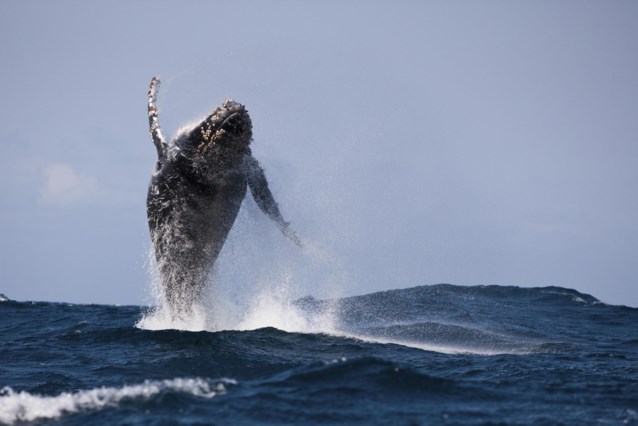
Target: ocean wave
pixel 482 320
pixel 374 358
pixel 362 375
pixel 24 406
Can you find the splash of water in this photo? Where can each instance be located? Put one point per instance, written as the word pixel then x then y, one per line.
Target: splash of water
pixel 253 283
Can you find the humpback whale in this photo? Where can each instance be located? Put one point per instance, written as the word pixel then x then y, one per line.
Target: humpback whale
pixel 196 189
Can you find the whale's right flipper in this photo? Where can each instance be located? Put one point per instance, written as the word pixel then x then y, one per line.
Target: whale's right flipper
pixel 263 197
pixel 153 121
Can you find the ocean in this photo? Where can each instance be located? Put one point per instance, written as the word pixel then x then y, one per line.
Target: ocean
pixel 439 354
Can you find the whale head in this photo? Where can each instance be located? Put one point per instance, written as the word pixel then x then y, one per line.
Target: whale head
pixel 228 128
pixel 219 143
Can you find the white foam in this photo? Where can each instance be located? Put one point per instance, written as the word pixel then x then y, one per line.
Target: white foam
pixel 265 309
pixel 24 406
pixel 272 310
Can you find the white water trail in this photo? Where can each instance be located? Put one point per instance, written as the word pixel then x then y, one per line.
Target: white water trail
pixel 24 406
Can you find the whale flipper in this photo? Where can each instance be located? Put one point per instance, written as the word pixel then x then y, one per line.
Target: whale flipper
pixel 258 185
pixel 153 121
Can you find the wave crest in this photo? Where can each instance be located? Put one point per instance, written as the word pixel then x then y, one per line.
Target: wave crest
pixel 24 406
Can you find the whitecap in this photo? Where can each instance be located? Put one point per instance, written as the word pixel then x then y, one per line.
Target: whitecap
pixel 24 406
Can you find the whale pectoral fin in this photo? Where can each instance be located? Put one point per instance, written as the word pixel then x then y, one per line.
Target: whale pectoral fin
pixel 261 193
pixel 263 197
pixel 153 120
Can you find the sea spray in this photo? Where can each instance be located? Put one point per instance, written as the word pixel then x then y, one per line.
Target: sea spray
pixel 254 283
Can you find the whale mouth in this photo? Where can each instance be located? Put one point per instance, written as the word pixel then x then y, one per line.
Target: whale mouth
pixel 228 119
pixel 230 129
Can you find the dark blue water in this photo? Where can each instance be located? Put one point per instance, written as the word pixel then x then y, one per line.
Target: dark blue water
pixel 438 354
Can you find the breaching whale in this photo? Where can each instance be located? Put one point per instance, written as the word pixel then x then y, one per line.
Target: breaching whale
pixel 197 187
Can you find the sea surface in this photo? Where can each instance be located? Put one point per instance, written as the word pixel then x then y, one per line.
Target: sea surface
pixel 440 354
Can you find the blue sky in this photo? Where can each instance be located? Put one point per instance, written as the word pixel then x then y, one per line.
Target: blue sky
pixel 409 143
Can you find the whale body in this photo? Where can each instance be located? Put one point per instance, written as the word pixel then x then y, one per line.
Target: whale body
pixel 197 187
